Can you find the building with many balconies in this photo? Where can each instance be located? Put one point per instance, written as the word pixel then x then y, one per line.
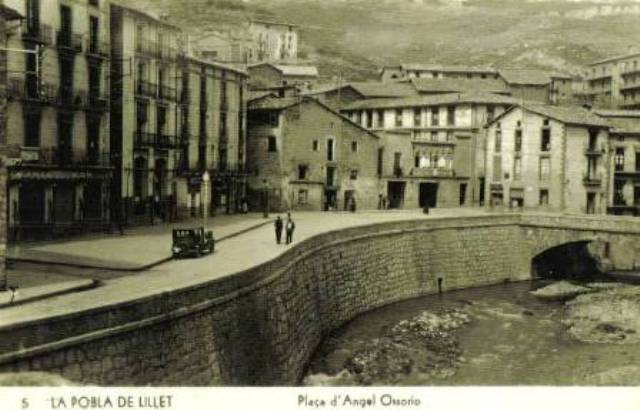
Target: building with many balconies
pixel 58 117
pixel 212 129
pixel 144 134
pixel 613 82
pixel 548 157
pixel 433 147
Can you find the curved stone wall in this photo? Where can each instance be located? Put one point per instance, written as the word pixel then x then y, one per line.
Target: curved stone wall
pixel 261 326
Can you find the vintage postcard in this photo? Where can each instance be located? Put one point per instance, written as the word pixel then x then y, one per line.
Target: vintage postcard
pixel 337 203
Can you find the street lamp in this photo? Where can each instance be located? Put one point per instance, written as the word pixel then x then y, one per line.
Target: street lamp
pixel 205 194
pixel 265 198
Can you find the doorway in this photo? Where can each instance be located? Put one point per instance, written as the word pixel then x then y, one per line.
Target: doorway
pixel 396 194
pixel 428 195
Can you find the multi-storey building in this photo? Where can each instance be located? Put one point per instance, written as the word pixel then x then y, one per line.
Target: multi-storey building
pixel 144 139
pixel 614 82
pixel 305 156
pixel 624 161
pixel 548 157
pixel 58 117
pixel 272 41
pixel 212 129
pixel 432 146
pixel 409 71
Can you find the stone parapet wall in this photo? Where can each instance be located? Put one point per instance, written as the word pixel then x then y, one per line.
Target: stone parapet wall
pixel 261 326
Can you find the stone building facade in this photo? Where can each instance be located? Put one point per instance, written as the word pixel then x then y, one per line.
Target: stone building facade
pixel 416 70
pixel 212 128
pixel 548 157
pixel 144 132
pixel 272 41
pixel 613 82
pixel 58 118
pixel 277 75
pixel 309 157
pixel 433 147
pixel 624 161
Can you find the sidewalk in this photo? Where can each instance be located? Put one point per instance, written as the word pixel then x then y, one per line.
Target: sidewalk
pixel 139 248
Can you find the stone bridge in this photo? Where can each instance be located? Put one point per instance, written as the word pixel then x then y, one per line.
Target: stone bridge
pixel 262 325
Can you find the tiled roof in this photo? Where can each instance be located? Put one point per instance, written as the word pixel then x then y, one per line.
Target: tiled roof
pixel 526 77
pixel 325 88
pixel 426 100
pixel 618 113
pixel 442 85
pixel 374 89
pixel 274 103
pixel 622 121
pixel 568 114
pixel 448 69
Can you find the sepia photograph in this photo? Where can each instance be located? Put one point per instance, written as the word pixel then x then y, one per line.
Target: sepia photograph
pixel 352 199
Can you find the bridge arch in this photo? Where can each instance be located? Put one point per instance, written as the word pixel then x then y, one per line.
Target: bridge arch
pixel 569 260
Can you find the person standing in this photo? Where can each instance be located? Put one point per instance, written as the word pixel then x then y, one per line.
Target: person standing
pixel 290 227
pixel 278 225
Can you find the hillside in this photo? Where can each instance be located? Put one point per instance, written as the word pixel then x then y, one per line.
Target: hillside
pixel 358 36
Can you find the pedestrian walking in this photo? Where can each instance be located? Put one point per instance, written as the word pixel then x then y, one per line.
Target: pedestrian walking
pixel 290 227
pixel 278 225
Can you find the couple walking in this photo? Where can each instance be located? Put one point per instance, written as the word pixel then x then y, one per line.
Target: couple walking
pixel 289 227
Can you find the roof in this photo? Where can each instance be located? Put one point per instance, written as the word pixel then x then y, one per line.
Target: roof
pixel 10 14
pixel 442 85
pixel 618 113
pixel 373 89
pixel 448 69
pixel 327 88
pixel 436 99
pixel 257 95
pixel 622 121
pixel 280 104
pixel 216 64
pixel 568 114
pixel 616 58
pixel 291 70
pixel 526 77
pixel 272 23
pixel 144 14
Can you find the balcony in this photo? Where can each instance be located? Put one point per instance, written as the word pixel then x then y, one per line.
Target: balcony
pixel 31 91
pixel 97 102
pixel 70 99
pixel 166 93
pixel 98 49
pixel 630 85
pixel 419 137
pixel 37 33
pixel 62 158
pixel 68 41
pixel 594 150
pixel 433 172
pixel 146 89
pixel 147 48
pixel 398 172
pixel 592 179
pixel 185 97
pixel 143 140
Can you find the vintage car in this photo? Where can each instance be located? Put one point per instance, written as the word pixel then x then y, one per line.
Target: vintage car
pixel 192 242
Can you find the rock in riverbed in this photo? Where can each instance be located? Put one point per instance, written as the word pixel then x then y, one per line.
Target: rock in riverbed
pixel 424 344
pixel 561 291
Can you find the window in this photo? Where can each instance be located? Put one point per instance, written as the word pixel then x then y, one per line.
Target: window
pixel 463 194
pixel 380 161
pixel 398 118
pixel 32 129
pixel 434 136
pixel 518 140
pixel 303 196
pixel 545 140
pixel 517 168
pixel 619 159
pixel 491 113
pixel 369 119
pixel 593 139
pixel 544 197
pixel 417 117
pixel 545 169
pixel 380 119
pixel 315 145
pixel 435 116
pixel 353 174
pixel 397 158
pixel 330 149
pixel 449 136
pixel 94 3
pixel 637 161
pixel 302 172
pixel 498 140
pixel 272 147
pixel 354 146
pixel 451 116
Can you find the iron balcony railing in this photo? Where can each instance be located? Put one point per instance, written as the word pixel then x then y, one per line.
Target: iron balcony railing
pixel 98 48
pixel 147 48
pixel 97 101
pixel 144 139
pixel 31 90
pixel 166 93
pixel 36 32
pixel 185 97
pixel 69 98
pixel 67 40
pixel 146 89
pixel 63 157
pixel 592 179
